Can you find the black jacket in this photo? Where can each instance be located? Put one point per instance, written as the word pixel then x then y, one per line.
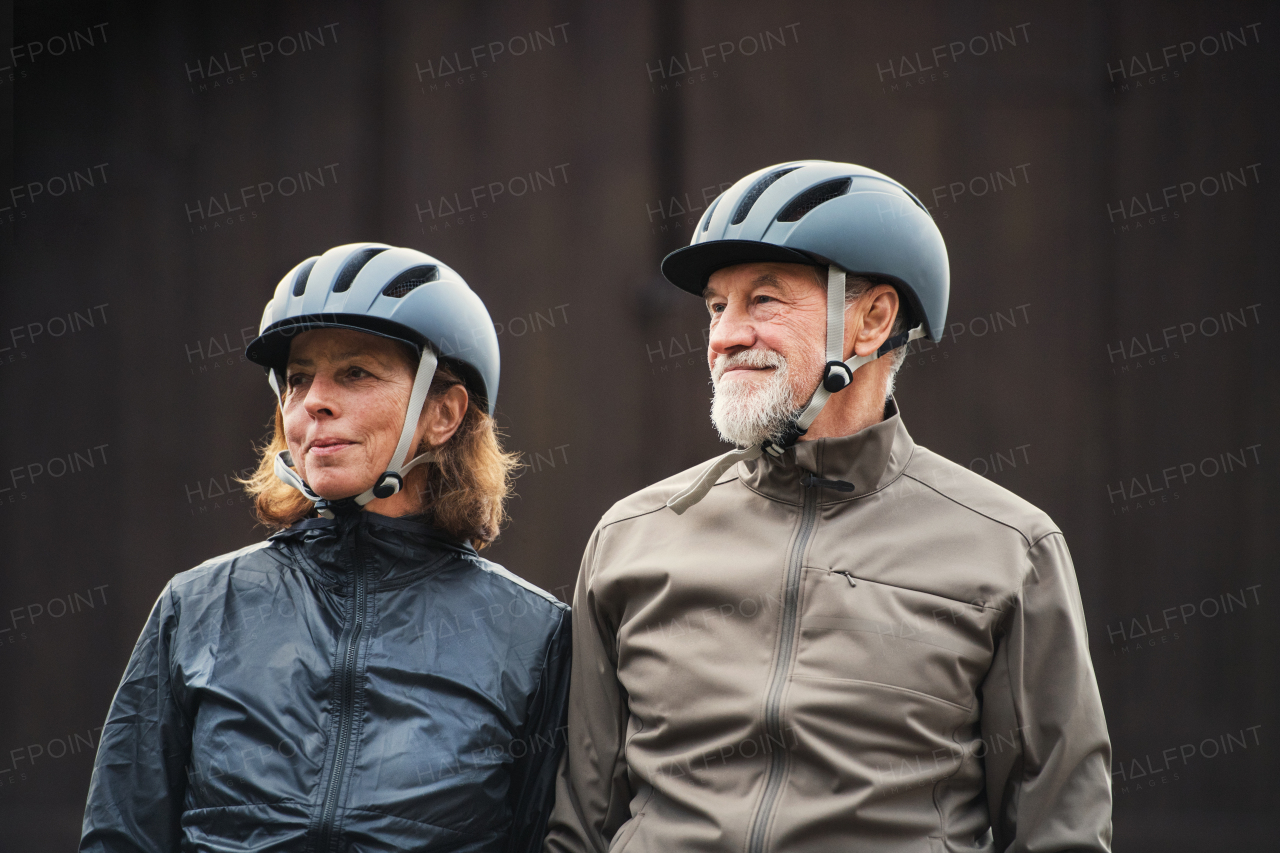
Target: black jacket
pixel 358 684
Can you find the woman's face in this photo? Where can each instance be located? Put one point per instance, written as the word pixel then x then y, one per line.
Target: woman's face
pixel 346 395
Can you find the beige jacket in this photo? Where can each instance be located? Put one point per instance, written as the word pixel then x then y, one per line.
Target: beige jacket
pixel 790 667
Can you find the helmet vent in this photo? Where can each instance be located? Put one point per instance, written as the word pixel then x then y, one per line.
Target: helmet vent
pixel 706 223
pixel 812 197
pixel 300 281
pixel 409 279
pixel 353 266
pixel 757 190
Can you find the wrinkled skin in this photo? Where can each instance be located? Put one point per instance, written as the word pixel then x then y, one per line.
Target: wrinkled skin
pixel 346 396
pixel 783 308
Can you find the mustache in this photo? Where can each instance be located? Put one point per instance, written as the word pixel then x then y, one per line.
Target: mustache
pixel 746 358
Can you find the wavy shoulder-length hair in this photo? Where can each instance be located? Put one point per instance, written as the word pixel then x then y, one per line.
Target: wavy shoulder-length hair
pixel 463 490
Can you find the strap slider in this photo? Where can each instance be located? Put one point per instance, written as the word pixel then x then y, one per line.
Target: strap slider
pixel 785 442
pixel 837 376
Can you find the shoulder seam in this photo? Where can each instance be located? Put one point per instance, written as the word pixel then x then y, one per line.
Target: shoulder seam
pixel 239 552
pixel 661 506
pixel 943 494
pixel 631 517
pixel 214 563
pixel 1042 537
pixel 506 574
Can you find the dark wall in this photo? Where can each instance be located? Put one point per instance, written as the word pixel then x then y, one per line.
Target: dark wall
pixel 1103 333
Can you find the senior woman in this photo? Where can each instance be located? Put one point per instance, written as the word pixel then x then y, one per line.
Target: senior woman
pixel 362 680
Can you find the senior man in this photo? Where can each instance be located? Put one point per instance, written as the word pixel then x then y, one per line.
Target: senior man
pixel 831 638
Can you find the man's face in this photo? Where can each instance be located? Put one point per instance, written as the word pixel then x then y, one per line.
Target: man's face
pixel 766 350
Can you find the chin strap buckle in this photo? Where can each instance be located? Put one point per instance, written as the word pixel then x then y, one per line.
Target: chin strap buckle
pixel 837 376
pixel 388 484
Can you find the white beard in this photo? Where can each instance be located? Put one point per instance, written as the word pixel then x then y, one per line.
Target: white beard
pixel 745 413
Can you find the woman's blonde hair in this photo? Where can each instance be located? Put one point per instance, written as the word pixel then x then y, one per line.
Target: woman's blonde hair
pixel 463 490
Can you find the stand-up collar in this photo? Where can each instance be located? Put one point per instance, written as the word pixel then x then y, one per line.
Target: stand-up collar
pixel 397 549
pixel 870 459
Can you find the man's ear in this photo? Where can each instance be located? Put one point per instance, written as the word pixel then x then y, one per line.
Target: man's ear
pixel 870 319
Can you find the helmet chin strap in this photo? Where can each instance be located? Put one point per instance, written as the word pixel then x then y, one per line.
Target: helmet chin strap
pixel 837 376
pixel 390 481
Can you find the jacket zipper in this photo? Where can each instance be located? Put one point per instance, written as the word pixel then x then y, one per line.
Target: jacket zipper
pixel 773 703
pixel 346 699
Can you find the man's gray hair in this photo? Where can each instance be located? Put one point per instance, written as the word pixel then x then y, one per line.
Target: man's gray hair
pixel 857 286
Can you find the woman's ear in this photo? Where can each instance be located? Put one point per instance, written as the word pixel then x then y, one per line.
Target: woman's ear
pixel 443 414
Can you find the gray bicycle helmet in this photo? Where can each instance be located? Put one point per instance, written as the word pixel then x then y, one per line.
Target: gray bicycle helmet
pixel 848 218
pixel 397 293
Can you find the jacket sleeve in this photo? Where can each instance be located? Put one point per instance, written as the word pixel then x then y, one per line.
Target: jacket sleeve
pixel 537 753
pixel 139 776
pixel 592 793
pixel 1048 756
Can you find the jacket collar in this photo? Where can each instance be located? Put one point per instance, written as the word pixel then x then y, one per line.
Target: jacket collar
pixel 398 549
pixel 870 459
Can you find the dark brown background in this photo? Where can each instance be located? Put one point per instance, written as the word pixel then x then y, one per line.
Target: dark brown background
pixel 606 393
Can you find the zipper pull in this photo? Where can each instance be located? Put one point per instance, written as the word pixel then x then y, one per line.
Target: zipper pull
pixel 836 485
pixel 847 577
